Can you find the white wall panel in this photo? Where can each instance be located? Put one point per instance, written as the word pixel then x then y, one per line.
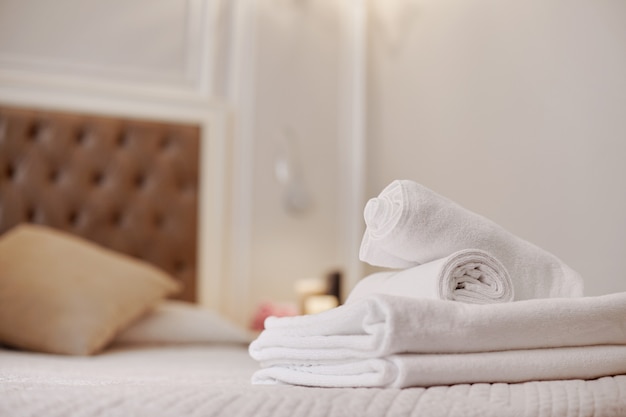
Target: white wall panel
pixel 291 91
pixel 138 47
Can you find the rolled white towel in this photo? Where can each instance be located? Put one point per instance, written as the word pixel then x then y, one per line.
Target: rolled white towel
pixel 469 275
pixel 424 370
pixel 409 225
pixel 383 325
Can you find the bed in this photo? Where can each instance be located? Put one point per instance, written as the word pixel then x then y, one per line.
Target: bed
pixel 131 187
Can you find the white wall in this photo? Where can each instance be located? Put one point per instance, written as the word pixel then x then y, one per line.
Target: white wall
pixel 515 109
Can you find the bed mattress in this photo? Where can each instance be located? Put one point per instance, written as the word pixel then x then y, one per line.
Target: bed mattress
pixel 201 380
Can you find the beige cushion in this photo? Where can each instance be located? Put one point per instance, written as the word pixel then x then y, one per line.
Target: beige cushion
pixel 62 294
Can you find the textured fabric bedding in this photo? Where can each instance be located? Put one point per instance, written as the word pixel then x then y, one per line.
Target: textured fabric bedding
pixel 202 380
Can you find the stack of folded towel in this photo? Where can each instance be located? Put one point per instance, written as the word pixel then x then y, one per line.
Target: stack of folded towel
pixel 393 341
pixel 470 303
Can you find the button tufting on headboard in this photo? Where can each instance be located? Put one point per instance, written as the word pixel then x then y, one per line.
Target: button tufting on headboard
pixel 129 185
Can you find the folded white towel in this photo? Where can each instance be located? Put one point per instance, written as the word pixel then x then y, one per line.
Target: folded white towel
pixel 384 325
pixel 469 275
pixel 423 370
pixel 408 225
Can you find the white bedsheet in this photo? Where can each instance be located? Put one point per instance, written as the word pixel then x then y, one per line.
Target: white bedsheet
pixel 215 381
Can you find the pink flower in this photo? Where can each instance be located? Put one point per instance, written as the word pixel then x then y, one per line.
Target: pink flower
pixel 267 309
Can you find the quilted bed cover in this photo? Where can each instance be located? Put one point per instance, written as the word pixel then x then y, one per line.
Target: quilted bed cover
pixel 201 380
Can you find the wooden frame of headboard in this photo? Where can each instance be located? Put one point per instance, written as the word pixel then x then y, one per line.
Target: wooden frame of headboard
pixel 128 184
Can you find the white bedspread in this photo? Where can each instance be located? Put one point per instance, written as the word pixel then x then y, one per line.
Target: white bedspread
pixel 215 381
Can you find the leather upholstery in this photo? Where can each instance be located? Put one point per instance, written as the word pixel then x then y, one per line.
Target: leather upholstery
pixel 129 185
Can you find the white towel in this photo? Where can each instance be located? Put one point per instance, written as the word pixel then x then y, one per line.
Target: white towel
pixel 423 370
pixel 471 276
pixel 409 225
pixel 383 325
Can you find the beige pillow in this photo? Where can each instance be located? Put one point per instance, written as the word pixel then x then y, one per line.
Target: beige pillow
pixel 62 294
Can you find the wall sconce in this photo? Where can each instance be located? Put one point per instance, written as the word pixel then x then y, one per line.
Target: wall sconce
pixel 296 197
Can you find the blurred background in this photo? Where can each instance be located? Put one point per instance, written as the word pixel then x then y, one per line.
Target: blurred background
pixel 515 109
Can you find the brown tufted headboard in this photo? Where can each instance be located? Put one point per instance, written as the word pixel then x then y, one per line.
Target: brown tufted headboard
pixel 130 185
